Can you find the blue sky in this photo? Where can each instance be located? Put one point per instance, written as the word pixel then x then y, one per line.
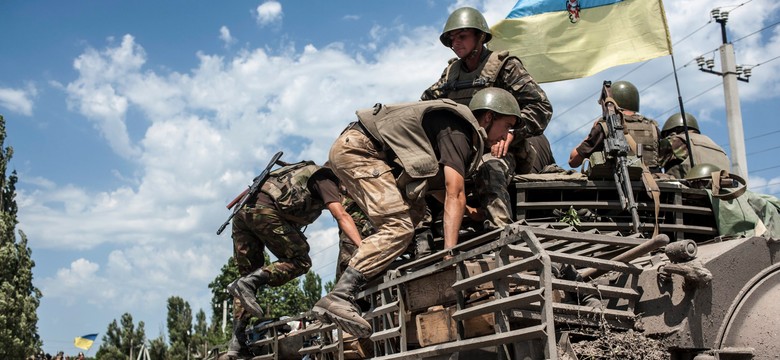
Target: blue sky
pixel 134 123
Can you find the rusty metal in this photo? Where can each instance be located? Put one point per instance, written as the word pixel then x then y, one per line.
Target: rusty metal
pixel 681 251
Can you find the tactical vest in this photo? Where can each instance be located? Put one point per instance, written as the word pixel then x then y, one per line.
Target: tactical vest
pixel 288 187
pixel 487 71
pixel 644 131
pixel 704 151
pixel 398 127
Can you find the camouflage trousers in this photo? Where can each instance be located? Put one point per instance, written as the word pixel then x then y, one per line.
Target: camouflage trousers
pixel 364 171
pixel 259 227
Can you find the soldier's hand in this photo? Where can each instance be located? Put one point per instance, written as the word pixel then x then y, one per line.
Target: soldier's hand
pixel 500 148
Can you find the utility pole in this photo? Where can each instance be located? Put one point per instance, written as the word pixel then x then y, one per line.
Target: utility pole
pixel 730 73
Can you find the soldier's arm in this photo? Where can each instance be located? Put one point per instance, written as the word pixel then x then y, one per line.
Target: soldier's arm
pixel 454 205
pixel 535 109
pixel 345 221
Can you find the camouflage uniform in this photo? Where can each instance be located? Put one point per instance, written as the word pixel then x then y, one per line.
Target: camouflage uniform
pixel 674 153
pixel 506 72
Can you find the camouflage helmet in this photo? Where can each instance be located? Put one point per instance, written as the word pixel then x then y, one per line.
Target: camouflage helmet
pixel 677 121
pixel 626 95
pixel 464 18
pixel 495 99
pixel 701 171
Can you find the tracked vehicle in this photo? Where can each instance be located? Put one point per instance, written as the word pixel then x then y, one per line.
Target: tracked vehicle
pixel 505 294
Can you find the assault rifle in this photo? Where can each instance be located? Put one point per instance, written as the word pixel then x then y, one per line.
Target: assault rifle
pixel 455 85
pixel 249 193
pixel 616 146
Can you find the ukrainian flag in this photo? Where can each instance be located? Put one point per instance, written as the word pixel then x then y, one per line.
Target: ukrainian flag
pixel 84 342
pixel 570 39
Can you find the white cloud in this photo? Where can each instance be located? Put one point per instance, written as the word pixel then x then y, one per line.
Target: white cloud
pixel 224 35
pixel 269 12
pixel 208 130
pixel 18 100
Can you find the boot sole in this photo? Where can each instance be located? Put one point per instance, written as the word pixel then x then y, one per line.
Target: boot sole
pixel 357 329
pixel 233 291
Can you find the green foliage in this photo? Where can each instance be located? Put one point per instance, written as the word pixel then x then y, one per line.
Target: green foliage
pixel 200 342
pixel 158 349
pixel 19 299
pixel 570 217
pixel 329 286
pixel 179 327
pixel 119 342
pixel 312 289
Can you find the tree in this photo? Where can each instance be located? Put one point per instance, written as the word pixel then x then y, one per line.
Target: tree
pixel 158 349
pixel 19 299
pixel 312 289
pixel 179 327
pixel 200 342
pixel 122 343
pixel 329 286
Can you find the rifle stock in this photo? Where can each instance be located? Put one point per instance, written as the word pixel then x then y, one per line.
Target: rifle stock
pixel 616 146
pixel 252 190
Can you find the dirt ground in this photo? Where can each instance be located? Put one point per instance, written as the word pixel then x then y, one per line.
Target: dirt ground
pixel 621 345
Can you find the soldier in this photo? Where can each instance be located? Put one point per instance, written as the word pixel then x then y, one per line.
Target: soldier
pixel 292 197
pixel 430 147
pixel 466 33
pixel 674 152
pixel 543 155
pixel 643 130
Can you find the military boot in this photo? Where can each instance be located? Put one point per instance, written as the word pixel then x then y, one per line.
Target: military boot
pixel 237 348
pixel 245 290
pixel 339 305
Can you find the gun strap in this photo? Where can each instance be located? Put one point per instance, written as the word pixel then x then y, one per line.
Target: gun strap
pixel 651 187
pixel 717 176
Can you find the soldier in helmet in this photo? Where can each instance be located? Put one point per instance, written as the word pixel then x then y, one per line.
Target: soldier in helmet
pixel 674 152
pixel 292 197
pixel 389 160
pixel 466 33
pixel 643 130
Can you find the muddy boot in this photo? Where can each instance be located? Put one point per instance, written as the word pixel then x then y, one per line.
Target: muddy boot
pixel 237 348
pixel 339 306
pixel 245 290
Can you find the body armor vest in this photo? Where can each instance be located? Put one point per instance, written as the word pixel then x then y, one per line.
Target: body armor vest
pixel 487 72
pixel 398 127
pixel 644 132
pixel 288 187
pixel 704 151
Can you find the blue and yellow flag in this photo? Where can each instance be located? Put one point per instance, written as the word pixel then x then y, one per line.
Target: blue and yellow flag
pixel 570 39
pixel 84 342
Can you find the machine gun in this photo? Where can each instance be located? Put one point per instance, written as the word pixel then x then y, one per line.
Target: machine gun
pixel 455 85
pixel 249 193
pixel 616 146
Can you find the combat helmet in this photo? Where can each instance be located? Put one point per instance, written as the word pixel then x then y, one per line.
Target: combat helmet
pixel 677 121
pixel 626 95
pixel 495 99
pixel 465 18
pixel 701 171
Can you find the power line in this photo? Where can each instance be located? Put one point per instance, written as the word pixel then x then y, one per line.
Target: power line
pixel 765 150
pixel 769 168
pixel 689 99
pixel 757 31
pixel 762 135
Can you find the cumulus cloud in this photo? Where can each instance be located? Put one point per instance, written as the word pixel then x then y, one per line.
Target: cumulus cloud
pixel 18 100
pixel 268 12
pixel 208 130
pixel 224 35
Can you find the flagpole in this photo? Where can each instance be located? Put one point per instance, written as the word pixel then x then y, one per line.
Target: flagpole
pixel 682 111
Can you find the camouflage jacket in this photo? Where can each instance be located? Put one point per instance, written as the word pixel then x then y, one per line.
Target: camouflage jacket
pixel 535 108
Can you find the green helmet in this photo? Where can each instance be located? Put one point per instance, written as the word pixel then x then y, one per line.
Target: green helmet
pixel 495 99
pixel 677 121
pixel 626 95
pixel 701 171
pixel 464 18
